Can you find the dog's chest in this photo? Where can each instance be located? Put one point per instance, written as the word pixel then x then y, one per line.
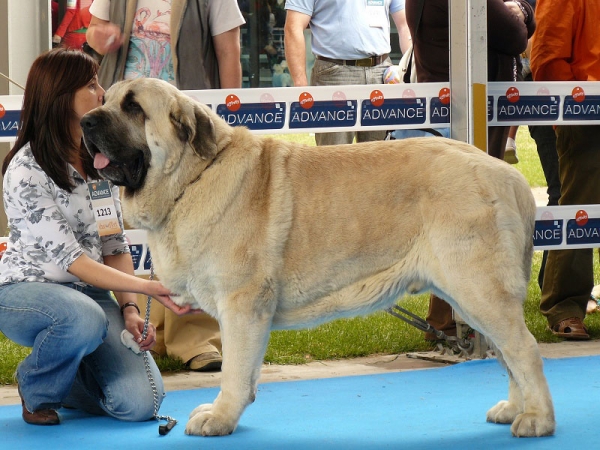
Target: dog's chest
pixel 179 273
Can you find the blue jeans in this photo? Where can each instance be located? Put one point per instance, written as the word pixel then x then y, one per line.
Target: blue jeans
pixel 77 357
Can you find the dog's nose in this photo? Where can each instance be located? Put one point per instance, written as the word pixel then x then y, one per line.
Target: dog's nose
pixel 88 122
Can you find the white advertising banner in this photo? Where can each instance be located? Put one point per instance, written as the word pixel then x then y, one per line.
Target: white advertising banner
pixel 395 106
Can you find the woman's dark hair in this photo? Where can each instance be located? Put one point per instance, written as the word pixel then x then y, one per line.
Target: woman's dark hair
pixel 48 113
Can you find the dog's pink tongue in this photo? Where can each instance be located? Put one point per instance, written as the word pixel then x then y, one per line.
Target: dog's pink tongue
pixel 100 161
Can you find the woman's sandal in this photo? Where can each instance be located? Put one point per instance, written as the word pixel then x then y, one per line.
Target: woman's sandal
pixel 572 328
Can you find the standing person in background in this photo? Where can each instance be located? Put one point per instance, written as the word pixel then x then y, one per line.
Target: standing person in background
pixel 545 142
pixel 510 152
pixel 566 48
pixel 509 26
pixel 137 40
pixel 71 31
pixel 351 43
pixel 193 45
pixel 58 269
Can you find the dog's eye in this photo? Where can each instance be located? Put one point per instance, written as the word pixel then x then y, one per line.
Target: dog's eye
pixel 133 107
pixel 130 106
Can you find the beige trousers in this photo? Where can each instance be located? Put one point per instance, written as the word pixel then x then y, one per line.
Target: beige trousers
pixel 182 337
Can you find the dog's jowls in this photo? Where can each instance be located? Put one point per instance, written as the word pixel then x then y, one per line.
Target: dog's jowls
pixel 265 234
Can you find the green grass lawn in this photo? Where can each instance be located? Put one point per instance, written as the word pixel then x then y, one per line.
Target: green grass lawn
pixel 379 333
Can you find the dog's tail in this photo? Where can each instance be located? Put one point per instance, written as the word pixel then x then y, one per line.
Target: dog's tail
pixel 521 211
pixel 528 208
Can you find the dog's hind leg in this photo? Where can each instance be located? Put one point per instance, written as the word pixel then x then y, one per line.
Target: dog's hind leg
pixel 245 332
pixel 506 410
pixel 529 405
pixel 529 402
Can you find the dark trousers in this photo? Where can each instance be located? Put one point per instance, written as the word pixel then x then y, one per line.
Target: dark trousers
pixel 568 276
pixel 545 141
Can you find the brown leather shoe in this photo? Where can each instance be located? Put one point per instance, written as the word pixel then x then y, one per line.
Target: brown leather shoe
pixel 571 329
pixel 39 417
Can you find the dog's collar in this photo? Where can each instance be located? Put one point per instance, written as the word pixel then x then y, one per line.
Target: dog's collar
pixel 195 180
pixel 189 184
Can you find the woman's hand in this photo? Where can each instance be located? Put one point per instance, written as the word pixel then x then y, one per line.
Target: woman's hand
pixel 104 37
pixel 163 295
pixel 135 325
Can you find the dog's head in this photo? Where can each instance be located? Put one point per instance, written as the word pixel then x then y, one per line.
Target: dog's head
pixel 146 124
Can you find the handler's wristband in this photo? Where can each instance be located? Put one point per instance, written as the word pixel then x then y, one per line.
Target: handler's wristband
pixel 125 305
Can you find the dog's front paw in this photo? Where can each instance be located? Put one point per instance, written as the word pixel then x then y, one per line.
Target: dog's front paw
pixel 201 408
pixel 503 412
pixel 204 422
pixel 533 425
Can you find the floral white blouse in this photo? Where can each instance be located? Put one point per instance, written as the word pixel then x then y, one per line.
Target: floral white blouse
pixel 49 227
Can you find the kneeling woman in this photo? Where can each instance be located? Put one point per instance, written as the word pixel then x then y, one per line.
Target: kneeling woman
pixel 58 271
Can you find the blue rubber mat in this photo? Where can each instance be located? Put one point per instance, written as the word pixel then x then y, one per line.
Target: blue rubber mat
pixel 426 409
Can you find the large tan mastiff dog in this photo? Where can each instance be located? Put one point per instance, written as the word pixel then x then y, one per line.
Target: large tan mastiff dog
pixel 265 234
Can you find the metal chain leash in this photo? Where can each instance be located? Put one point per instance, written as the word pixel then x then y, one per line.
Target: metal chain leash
pixel 463 346
pixel 171 422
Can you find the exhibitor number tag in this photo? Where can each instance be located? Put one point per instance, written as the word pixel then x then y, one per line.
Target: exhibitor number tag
pixel 375 13
pixel 103 205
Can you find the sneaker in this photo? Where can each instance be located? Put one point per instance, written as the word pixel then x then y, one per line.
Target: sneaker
pixel 510 153
pixel 205 362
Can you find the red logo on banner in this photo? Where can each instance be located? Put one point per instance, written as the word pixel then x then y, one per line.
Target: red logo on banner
pixel 444 96
pixel 306 100
pixel 377 98
pixel 578 94
pixel 267 98
pixel 2 111
pixel 547 215
pixel 512 94
pixel 3 246
pixel 408 93
pixel 339 99
pixel 581 217
pixel 232 102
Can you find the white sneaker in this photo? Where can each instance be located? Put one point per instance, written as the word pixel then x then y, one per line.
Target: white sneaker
pixel 510 153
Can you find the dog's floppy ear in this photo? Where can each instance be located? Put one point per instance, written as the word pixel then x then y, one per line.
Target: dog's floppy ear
pixel 194 126
pixel 204 141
